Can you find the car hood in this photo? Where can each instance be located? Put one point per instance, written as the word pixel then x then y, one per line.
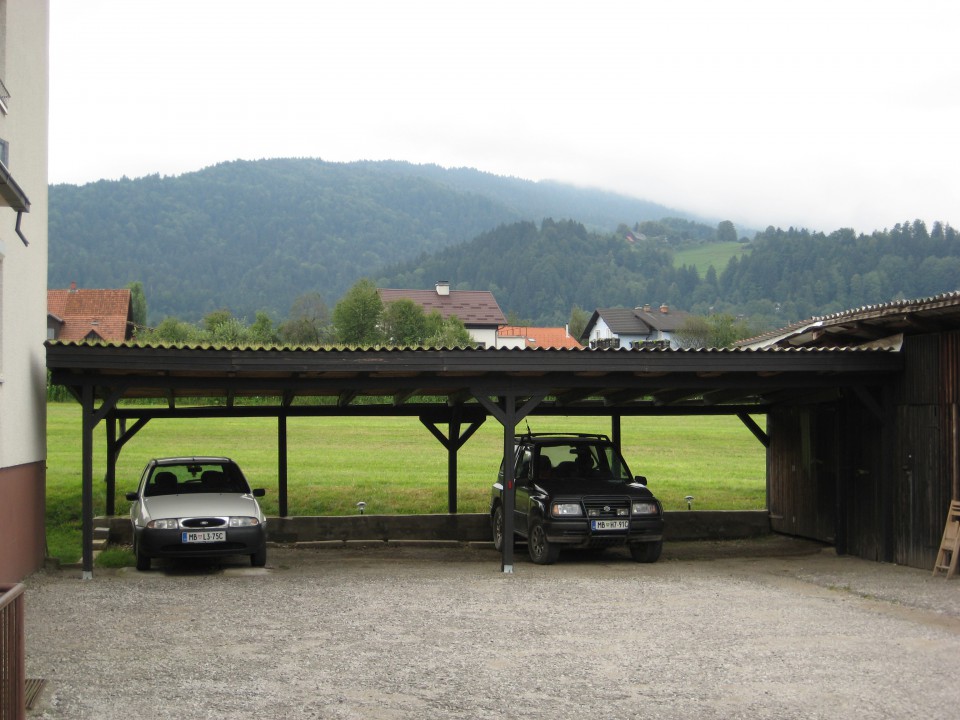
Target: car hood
pixel 576 486
pixel 200 504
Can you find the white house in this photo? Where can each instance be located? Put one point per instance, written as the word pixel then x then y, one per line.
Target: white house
pixel 633 327
pixel 24 63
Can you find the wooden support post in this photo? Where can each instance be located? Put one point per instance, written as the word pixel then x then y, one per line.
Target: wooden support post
pixel 282 464
pixel 86 494
pixel 453 441
pixel 452 448
pixel 111 476
pixel 509 415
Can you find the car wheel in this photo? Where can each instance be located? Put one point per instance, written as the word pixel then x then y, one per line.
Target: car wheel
pixel 497 524
pixel 647 552
pixel 259 558
pixel 541 550
pixel 143 561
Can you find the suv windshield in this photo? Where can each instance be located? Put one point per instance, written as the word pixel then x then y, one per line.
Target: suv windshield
pixel 589 461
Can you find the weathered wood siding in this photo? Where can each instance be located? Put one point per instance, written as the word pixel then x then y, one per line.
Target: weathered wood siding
pixel 874 471
pixel 802 470
pixel 925 466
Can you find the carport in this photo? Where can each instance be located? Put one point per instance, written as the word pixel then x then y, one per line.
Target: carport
pixel 458 388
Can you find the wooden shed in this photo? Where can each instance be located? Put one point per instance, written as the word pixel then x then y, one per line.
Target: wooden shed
pixel 872 471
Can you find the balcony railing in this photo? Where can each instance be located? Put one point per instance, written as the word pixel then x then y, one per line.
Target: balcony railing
pixel 12 654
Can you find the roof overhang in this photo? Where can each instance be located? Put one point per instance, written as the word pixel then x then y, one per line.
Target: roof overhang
pixel 411 381
pixel 11 193
pixel 13 196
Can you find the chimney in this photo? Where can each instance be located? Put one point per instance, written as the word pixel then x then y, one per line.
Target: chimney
pixel 646 307
pixel 664 308
pixel 73 286
pixel 443 287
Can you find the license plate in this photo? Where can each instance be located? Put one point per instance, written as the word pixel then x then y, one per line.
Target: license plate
pixel 610 524
pixel 204 536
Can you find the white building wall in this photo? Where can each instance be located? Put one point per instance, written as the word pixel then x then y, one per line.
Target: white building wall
pixel 486 336
pixel 23 269
pixel 599 331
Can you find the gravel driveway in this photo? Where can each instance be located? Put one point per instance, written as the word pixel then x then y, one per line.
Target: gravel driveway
pixel 767 628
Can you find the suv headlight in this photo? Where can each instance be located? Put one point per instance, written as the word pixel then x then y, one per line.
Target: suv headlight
pixel 164 524
pixel 243 521
pixel 645 508
pixel 566 509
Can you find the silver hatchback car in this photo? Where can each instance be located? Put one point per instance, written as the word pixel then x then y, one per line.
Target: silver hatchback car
pixel 196 507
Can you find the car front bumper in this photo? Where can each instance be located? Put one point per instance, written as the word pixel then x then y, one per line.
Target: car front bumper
pixel 577 533
pixel 169 543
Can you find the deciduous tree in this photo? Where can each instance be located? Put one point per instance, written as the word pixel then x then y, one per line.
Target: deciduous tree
pixel 356 318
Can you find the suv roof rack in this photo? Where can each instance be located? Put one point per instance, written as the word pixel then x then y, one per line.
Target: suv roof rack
pixel 563 435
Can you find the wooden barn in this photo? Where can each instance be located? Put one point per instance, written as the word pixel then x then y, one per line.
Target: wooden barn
pixel 872 469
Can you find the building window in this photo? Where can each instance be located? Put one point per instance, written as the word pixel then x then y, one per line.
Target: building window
pixel 4 153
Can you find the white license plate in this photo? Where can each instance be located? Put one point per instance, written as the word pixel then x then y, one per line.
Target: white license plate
pixel 204 536
pixel 610 524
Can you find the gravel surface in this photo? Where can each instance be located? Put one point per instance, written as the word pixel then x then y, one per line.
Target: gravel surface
pixel 768 628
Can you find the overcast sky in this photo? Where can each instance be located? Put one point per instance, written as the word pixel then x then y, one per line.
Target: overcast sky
pixel 819 113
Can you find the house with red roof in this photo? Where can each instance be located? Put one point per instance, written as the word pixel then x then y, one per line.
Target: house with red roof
pixel 476 309
pixel 514 336
pixel 79 314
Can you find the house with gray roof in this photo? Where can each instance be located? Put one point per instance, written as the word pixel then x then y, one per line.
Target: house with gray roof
pixel 630 328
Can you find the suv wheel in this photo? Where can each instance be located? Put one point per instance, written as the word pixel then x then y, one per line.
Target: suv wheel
pixel 497 524
pixel 541 551
pixel 647 552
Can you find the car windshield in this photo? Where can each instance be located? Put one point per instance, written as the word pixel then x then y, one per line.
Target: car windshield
pixel 195 478
pixel 589 461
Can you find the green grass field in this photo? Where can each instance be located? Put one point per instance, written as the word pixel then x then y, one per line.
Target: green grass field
pixel 703 256
pixel 394 464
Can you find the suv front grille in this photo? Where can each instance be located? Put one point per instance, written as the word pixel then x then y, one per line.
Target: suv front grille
pixel 606 507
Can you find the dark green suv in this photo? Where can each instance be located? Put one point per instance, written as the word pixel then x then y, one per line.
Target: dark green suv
pixel 576 491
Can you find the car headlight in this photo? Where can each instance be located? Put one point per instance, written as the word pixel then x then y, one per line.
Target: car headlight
pixel 645 508
pixel 566 509
pixel 164 524
pixel 243 521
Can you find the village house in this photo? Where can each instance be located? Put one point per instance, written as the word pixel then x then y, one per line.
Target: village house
pixel 84 314
pixel 633 327
pixel 477 309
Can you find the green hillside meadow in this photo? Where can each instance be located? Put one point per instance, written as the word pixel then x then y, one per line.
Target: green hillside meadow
pixel 703 256
pixel 394 464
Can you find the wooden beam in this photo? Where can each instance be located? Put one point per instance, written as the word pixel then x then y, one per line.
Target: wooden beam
pixel 758 432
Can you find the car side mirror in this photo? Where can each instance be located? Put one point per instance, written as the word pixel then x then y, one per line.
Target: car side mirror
pixel 640 479
pixel 132 496
pixel 259 492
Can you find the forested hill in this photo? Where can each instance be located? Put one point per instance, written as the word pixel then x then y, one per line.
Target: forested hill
pixel 795 274
pixel 252 236
pixel 539 273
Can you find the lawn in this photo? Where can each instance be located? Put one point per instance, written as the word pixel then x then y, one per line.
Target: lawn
pixel 394 464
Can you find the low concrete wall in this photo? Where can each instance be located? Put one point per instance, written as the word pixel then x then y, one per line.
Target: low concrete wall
pixel 466 527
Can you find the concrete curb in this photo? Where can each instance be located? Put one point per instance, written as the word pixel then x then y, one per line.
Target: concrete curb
pixel 335 531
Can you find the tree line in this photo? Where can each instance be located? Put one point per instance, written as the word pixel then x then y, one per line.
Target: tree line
pixel 359 319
